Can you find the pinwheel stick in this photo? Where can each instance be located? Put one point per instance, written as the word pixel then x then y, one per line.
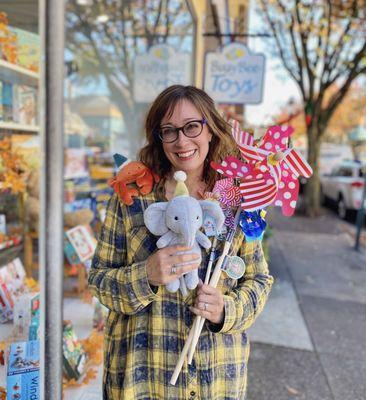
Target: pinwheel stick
pixel 199 320
pixel 191 340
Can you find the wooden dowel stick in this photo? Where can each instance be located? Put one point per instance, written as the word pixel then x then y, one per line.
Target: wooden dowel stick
pixel 184 352
pixel 197 322
pixel 213 282
pixel 182 356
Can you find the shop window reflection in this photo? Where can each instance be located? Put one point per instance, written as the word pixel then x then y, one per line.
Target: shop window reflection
pixel 104 114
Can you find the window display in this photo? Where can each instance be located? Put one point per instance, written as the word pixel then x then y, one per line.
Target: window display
pixel 106 50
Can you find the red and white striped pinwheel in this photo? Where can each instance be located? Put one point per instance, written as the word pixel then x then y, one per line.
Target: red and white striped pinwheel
pixel 270 173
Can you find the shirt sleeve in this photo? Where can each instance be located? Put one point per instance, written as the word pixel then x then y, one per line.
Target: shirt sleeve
pixel 120 287
pixel 246 301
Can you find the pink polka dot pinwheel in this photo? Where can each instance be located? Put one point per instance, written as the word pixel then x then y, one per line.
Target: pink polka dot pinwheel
pixel 270 170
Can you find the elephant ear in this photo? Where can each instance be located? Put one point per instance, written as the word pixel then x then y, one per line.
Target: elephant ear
pixel 213 209
pixel 154 218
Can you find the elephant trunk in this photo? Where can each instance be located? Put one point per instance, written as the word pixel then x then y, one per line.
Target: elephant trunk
pixel 189 235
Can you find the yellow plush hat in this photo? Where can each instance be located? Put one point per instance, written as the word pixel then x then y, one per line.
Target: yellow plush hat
pixel 181 188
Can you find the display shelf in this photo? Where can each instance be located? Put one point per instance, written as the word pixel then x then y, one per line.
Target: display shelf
pixel 11 242
pixel 10 253
pixel 18 75
pixel 13 126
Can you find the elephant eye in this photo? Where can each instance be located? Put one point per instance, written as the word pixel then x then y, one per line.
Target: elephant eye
pixel 176 218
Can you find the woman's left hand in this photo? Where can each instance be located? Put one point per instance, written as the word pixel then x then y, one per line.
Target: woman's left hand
pixel 209 303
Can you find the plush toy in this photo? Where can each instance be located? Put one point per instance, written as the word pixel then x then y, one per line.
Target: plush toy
pixel 32 201
pixel 178 222
pixel 133 172
pixel 84 216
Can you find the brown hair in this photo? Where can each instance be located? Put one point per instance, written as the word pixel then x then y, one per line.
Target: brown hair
pixel 221 145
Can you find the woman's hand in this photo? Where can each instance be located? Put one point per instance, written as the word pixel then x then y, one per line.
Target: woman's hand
pixel 209 303
pixel 164 266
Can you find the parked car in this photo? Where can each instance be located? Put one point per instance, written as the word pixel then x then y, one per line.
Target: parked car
pixel 344 186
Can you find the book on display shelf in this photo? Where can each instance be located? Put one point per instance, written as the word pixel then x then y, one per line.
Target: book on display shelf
pixel 6 303
pixel 2 224
pixel 83 241
pixel 28 49
pixel 26 315
pixel 23 371
pixel 6 101
pixel 24 105
pixel 75 164
pixel 13 275
pixel 12 284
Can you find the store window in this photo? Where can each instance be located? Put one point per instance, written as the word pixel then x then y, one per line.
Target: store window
pixel 19 194
pixel 106 43
pixel 118 56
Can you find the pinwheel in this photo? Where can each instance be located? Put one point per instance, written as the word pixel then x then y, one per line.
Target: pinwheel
pixel 228 195
pixel 270 173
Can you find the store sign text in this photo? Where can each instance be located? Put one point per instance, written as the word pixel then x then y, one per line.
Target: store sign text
pixel 235 75
pixel 161 68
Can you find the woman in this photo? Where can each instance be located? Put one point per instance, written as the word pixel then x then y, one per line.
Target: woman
pixel 147 325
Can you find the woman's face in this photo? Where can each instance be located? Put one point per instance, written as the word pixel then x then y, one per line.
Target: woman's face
pixel 186 154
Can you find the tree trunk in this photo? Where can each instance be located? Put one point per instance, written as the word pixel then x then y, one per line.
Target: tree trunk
pixel 312 188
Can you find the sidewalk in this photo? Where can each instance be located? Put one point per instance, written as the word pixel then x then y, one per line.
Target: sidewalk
pixel 309 343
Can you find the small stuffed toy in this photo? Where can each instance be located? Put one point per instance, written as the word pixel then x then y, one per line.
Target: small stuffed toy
pixel 132 172
pixel 178 222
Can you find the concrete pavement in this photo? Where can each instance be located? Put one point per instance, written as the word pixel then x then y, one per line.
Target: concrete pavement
pixel 309 343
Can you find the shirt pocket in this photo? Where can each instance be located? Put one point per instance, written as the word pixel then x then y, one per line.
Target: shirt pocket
pixel 141 244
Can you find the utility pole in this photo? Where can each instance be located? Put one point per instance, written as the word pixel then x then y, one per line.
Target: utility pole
pixel 360 216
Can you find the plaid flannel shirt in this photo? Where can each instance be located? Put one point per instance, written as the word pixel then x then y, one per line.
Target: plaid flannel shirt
pixel 146 329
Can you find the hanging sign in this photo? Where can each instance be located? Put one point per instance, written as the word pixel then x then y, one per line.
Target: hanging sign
pixel 160 68
pixel 234 75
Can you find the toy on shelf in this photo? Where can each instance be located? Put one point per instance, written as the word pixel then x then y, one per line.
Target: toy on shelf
pixel 74 355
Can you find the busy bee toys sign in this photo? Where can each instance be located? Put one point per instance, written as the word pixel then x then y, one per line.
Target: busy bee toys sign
pixel 234 75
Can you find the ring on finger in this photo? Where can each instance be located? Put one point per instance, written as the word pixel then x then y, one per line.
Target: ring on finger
pixel 205 306
pixel 173 270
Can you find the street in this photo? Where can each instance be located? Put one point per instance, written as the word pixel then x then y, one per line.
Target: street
pixel 309 341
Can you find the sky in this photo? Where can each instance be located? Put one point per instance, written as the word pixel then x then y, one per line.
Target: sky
pixel 278 85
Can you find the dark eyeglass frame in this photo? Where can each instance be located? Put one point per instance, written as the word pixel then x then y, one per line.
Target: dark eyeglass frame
pixel 202 121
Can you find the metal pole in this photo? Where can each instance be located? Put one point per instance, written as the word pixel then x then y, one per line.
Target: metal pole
pixel 360 217
pixel 51 19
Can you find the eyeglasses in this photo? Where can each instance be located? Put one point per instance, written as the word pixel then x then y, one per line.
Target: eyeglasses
pixel 192 129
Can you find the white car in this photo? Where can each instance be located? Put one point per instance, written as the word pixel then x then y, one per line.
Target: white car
pixel 344 186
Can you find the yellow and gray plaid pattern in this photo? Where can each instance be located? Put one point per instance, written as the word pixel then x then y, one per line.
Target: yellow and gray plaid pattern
pixel 147 327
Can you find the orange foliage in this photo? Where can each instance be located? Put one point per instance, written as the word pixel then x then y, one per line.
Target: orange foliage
pixel 93 345
pixel 348 115
pixel 13 168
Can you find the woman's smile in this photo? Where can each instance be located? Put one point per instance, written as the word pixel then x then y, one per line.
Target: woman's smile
pixel 187 155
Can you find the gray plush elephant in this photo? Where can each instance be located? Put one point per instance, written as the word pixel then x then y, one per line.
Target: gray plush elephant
pixel 178 222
